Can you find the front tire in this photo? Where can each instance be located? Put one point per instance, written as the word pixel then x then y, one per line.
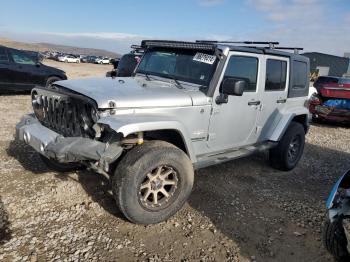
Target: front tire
pixel 286 155
pixel 51 80
pixel 152 182
pixel 59 167
pixel 334 240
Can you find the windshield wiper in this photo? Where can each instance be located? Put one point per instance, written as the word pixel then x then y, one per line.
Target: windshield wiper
pixel 178 84
pixel 147 77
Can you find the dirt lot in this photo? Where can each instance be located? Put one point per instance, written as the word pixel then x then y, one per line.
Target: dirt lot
pixel 80 70
pixel 239 211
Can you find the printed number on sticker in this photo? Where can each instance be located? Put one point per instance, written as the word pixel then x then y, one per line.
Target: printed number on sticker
pixel 204 58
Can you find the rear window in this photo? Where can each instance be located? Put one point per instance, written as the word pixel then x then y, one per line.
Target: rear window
pixel 3 55
pixel 325 79
pixel 299 75
pixel 344 81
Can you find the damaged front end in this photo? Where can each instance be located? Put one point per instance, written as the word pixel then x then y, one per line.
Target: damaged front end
pixel 336 233
pixel 63 128
pixel 67 149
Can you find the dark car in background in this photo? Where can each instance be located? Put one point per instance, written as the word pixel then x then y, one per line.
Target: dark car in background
pixel 21 71
pixel 91 59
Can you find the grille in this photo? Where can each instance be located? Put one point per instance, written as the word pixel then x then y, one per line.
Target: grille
pixel 64 114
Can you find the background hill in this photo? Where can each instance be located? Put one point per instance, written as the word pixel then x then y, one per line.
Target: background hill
pixel 40 47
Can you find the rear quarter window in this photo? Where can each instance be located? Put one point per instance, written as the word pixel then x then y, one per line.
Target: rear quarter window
pixel 325 79
pixel 300 75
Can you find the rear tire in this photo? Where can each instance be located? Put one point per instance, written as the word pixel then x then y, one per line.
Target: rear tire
pixel 334 240
pixel 144 174
pixel 60 167
pixel 286 155
pixel 51 80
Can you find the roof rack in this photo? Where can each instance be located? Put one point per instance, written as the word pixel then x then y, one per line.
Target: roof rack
pixel 296 49
pixel 136 47
pixel 210 44
pixel 270 43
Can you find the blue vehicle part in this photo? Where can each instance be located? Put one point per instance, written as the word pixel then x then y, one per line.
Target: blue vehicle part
pixel 343 182
pixel 338 103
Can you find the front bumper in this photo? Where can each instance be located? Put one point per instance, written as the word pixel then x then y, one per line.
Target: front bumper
pixel 65 149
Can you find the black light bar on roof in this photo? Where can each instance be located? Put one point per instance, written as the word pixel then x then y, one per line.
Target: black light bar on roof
pixel 177 44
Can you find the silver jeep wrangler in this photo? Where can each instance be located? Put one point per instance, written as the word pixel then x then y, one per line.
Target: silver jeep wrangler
pixel 188 105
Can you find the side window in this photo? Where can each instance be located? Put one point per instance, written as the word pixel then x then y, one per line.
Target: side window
pixel 243 68
pixel 3 56
pixel 299 75
pixel 276 73
pixel 21 57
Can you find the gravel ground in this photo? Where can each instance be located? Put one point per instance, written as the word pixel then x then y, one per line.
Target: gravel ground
pixel 242 210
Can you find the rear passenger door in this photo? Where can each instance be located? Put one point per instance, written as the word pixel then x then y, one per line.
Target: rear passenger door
pixel 25 72
pixel 5 72
pixel 274 95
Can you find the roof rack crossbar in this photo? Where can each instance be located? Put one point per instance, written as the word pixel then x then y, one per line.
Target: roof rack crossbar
pixel 240 42
pixel 289 48
pixel 296 49
pixel 136 47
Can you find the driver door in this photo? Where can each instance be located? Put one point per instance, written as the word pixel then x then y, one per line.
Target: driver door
pixel 233 124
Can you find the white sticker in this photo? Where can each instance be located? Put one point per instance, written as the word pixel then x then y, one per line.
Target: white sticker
pixel 204 58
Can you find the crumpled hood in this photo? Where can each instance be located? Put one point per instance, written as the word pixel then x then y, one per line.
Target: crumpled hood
pixel 131 92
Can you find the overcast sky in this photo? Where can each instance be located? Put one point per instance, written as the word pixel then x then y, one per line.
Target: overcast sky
pixel 316 25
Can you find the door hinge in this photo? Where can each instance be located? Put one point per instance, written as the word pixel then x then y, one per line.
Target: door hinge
pixel 214 110
pixel 258 129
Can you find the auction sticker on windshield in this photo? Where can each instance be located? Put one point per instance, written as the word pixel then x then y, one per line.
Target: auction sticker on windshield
pixel 204 58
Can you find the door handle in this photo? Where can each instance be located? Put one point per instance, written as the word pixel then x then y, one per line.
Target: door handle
pixel 254 103
pixel 281 101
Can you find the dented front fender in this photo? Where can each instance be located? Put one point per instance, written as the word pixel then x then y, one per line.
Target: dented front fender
pixel 126 125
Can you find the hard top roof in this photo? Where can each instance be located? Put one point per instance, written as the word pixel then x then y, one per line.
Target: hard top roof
pixel 271 49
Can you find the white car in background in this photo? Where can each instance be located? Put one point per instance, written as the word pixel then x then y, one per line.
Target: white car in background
pixel 69 59
pixel 104 60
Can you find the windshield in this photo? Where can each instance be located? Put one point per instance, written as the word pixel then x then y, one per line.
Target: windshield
pixel 185 65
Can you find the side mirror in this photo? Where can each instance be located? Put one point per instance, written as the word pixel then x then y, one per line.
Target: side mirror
pixel 37 64
pixel 234 87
